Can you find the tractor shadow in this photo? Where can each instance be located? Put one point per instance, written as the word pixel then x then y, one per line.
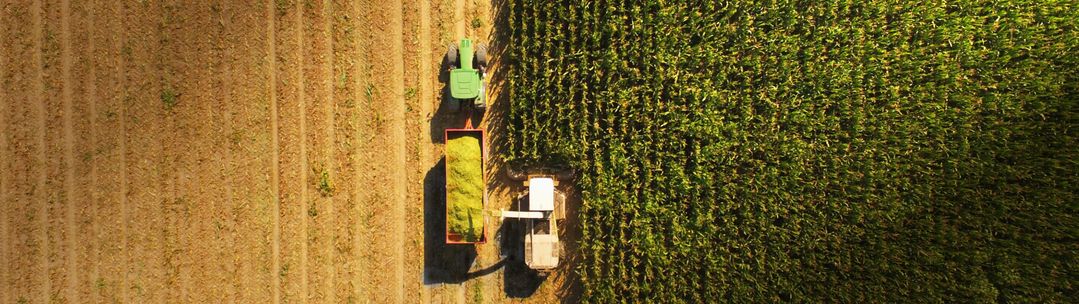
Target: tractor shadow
pixel 442 263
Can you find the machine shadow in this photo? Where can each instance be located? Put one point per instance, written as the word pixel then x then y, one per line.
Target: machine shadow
pixel 442 263
pixel 518 281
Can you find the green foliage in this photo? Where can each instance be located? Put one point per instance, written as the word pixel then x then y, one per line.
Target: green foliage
pixel 325 184
pixel 169 97
pixel 807 151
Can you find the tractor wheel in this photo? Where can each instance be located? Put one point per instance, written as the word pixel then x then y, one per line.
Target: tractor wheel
pixel 451 56
pixel 481 57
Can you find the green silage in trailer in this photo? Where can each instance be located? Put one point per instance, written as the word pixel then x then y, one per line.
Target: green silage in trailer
pixel 806 151
pixel 464 186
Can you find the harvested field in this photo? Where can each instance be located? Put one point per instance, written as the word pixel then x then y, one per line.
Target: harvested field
pixel 226 151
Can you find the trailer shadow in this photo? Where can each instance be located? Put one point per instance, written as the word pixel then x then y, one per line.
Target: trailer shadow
pixel 442 263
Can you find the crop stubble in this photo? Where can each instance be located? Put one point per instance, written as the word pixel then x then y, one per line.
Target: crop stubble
pixel 163 151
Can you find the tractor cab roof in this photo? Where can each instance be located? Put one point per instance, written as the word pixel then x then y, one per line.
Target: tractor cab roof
pixel 465 83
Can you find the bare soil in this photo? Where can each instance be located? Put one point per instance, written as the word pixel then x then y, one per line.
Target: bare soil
pixel 281 151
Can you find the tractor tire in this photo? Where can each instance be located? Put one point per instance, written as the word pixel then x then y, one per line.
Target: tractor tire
pixel 481 57
pixel 451 56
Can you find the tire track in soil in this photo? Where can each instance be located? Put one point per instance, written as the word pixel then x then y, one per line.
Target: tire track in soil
pixel 459 19
pixel 222 132
pixel 70 230
pixel 91 183
pixel 56 90
pixel 293 168
pixel 397 142
pixel 319 95
pixel 234 48
pixel 304 174
pixel 425 116
pixel 40 194
pixel 120 260
pixel 176 107
pixel 359 82
pixel 89 36
pixel 6 200
pixel 275 175
pixel 398 145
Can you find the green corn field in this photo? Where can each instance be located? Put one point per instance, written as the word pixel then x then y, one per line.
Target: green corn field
pixel 807 151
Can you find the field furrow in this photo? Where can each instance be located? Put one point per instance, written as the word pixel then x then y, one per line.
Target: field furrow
pixel 428 65
pixel 251 141
pixel 345 61
pixel 383 161
pixel 67 108
pixel 109 150
pixel 7 200
pixel 318 98
pixel 22 87
pixel 146 121
pixel 292 163
pixel 270 67
pixel 81 142
pixel 42 200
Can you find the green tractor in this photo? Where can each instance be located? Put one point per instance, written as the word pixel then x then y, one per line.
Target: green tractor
pixel 467 73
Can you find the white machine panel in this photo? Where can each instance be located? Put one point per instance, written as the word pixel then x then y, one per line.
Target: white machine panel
pixel 541 194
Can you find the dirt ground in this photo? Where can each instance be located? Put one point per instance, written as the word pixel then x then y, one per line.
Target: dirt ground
pixel 284 151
